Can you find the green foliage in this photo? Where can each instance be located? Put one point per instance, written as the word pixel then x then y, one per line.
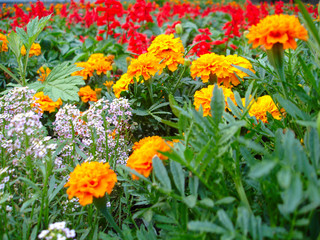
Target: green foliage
pixel 59 83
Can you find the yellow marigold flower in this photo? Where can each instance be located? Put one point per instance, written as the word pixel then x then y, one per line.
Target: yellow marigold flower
pixel 169 50
pixel 100 63
pixel 3 43
pixel 45 103
pixel 87 94
pixel 274 29
pixel 145 65
pixel 108 84
pixel 34 51
pixel 211 65
pixel 144 151
pixel 122 85
pixel 86 72
pixel 90 180
pixel 43 73
pixel 203 98
pixel 263 105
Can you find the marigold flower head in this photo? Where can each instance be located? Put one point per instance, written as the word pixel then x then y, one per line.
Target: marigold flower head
pixel 35 50
pixel 261 106
pixel 43 73
pixel 100 63
pixel 212 65
pixel 45 103
pixel 109 84
pixel 145 65
pixel 144 151
pixel 90 180
pixel 87 94
pixel 274 29
pixel 86 72
pixel 122 85
pixel 169 50
pixel 203 98
pixel 3 43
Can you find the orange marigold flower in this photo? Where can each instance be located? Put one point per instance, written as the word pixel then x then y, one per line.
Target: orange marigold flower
pixel 169 50
pixel 122 85
pixel 209 66
pixel 263 105
pixel 274 29
pixel 35 50
pixel 90 180
pixel 100 63
pixel 203 98
pixel 43 73
pixel 87 94
pixel 45 103
pixel 145 65
pixel 86 72
pixel 3 43
pixel 144 151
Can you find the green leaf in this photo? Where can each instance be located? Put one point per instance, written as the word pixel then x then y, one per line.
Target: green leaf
pixel 15 44
pixel 10 73
pixel 217 105
pixel 60 83
pixel 308 76
pixel 161 173
pixel 292 196
pixel 205 226
pixel 171 124
pixel 292 109
pixel 178 176
pixel 312 29
pixel 140 112
pixel 191 201
pixel 174 105
pixel 247 71
pixel 225 220
pixel 261 169
pixel 34 28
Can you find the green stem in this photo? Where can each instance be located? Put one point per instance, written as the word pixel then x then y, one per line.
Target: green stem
pixel 149 85
pixel 276 58
pixel 100 204
pixel 179 79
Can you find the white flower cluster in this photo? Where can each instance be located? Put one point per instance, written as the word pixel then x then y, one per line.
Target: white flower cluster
pixel 57 231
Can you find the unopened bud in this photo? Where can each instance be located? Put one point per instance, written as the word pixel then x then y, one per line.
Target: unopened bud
pixel 114 67
pixel 108 74
pixel 179 28
pixel 187 62
pixel 245 33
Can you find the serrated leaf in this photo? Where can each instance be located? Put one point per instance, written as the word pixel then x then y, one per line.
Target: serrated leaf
pixel 59 83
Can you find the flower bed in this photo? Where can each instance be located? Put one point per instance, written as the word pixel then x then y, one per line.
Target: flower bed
pixel 159 120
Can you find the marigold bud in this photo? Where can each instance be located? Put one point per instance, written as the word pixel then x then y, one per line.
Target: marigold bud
pixel 179 29
pixel 114 67
pixel 187 62
pixel 108 74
